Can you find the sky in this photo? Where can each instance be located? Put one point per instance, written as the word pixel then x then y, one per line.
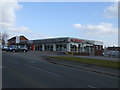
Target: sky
pixel 39 20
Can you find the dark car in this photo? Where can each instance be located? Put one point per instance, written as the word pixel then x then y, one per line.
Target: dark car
pixel 19 48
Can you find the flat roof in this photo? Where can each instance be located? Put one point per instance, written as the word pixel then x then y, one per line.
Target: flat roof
pixel 68 39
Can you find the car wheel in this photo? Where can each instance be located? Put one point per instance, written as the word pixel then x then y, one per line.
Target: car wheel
pixel 24 51
pixel 13 51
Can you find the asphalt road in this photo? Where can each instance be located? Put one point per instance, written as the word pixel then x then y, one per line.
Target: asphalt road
pixel 27 72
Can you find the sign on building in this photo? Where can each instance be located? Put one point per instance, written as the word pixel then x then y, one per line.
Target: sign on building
pixel 17 39
pixel 98 43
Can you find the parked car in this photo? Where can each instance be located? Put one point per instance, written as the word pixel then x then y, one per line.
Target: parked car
pixel 4 48
pixel 0 46
pixel 19 48
pixel 112 53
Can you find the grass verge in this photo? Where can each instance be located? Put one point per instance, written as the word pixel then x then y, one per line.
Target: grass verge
pixel 98 62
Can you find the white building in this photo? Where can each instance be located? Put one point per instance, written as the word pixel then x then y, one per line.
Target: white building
pixel 67 44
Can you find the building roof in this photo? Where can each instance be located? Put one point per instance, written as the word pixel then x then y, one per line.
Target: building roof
pixel 13 38
pixel 67 39
pixel 113 48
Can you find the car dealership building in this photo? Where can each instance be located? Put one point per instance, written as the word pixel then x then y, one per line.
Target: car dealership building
pixel 66 44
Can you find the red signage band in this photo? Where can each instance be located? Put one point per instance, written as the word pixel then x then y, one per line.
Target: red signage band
pixel 76 40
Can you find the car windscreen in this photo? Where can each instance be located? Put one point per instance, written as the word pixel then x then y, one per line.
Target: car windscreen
pixel 11 46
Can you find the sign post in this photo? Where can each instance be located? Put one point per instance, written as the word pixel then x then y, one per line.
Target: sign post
pixel 17 39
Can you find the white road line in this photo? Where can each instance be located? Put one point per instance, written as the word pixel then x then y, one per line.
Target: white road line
pixel 47 71
pixel 91 86
pixel 33 61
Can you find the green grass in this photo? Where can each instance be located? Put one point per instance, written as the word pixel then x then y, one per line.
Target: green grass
pixel 98 62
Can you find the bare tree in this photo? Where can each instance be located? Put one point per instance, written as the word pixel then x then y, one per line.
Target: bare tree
pixel 3 37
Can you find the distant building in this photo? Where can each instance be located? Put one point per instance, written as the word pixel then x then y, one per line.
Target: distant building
pixel 113 48
pixel 13 40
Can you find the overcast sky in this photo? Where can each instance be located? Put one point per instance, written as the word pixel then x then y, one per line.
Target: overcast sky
pixel 85 20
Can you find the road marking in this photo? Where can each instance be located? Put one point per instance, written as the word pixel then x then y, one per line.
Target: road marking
pixel 33 61
pixel 91 86
pixel 47 71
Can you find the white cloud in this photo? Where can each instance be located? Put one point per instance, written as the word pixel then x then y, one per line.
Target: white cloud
pixel 8 11
pixel 103 29
pixel 33 36
pixel 8 18
pixel 111 11
pixel 77 26
pixel 8 21
pixel 19 29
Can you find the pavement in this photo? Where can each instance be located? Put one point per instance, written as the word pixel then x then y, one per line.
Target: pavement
pixel 102 58
pixel 30 70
